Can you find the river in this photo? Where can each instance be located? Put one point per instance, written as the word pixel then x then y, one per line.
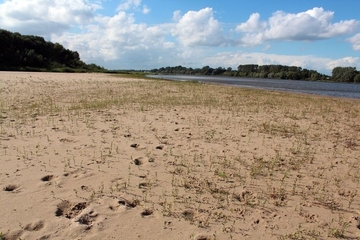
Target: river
pixel 345 90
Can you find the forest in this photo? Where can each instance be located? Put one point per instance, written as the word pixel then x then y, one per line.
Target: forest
pixel 339 74
pixel 32 53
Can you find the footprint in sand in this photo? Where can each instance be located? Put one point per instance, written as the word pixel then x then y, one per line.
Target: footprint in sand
pixel 357 222
pixel 13 234
pixel 69 210
pixel 147 212
pixel 202 237
pixel 35 226
pixel 144 185
pixel 47 178
pixel 160 147
pixel 86 188
pixel 87 219
pixel 139 161
pixel 129 204
pixel 143 160
pixel 189 214
pixel 10 188
pixel 135 145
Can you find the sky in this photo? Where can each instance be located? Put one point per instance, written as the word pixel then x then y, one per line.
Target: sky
pixel 147 34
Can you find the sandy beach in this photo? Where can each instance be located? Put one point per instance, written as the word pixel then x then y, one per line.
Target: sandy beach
pixel 98 156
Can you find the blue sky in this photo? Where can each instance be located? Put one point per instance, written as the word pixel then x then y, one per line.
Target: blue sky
pixel 146 34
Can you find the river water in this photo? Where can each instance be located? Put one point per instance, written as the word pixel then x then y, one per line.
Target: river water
pixel 346 90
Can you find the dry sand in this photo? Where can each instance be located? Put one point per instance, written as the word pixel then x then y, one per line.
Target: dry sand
pixel 93 156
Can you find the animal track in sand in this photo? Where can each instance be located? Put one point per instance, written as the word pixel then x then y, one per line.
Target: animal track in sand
pixel 35 226
pixel 85 188
pixel 143 160
pixel 189 214
pixel 47 178
pixel 79 173
pixel 144 185
pixel 160 147
pixel 68 210
pixel 10 188
pixel 129 204
pixel 134 145
pixel 147 212
pixel 87 219
pixel 13 235
pixel 202 237
pixel 357 222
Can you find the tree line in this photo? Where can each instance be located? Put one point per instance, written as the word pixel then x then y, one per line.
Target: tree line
pixel 345 74
pixel 33 53
pixel 339 74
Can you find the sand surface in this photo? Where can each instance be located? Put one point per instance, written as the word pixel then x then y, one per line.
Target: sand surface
pixel 93 156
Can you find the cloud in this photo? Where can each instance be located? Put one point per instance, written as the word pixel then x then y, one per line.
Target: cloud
pixel 146 10
pixel 118 38
pixel 101 38
pixel 314 24
pixel 198 28
pixel 177 16
pixel 343 62
pixel 252 25
pixel 355 41
pixel 42 17
pixel 128 4
pixel 47 17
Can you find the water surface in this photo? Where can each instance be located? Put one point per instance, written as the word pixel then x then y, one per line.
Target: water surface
pixel 346 90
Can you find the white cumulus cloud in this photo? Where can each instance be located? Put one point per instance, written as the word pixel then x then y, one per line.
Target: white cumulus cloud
pixel 343 62
pixel 198 28
pixel 128 4
pixel 43 17
pixel 355 41
pixel 314 24
pixel 118 38
pixel 252 25
pixel 146 10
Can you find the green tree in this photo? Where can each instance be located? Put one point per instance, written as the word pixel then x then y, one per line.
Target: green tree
pixel 357 78
pixel 344 74
pixel 19 52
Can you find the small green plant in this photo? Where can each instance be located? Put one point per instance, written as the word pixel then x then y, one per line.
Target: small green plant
pixel 92 196
pixel 339 230
pixel 352 198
